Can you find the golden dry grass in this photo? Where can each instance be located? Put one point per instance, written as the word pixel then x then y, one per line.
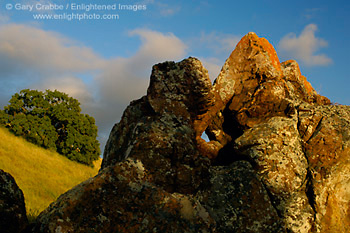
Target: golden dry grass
pixel 42 175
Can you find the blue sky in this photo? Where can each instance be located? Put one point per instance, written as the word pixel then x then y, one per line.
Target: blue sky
pixel 106 63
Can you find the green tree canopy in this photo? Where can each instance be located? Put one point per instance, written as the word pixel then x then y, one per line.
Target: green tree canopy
pixel 52 119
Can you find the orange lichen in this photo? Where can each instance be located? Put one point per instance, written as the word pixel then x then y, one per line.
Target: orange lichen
pixel 244 42
pixel 307 85
pixel 261 44
pixel 294 65
pixel 271 52
pixel 309 89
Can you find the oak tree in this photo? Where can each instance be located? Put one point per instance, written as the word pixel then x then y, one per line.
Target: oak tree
pixel 52 119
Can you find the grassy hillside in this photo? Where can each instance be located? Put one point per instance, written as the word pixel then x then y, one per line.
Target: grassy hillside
pixel 42 175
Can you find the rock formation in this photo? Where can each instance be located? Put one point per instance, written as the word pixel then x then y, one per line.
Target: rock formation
pixel 277 160
pixel 13 218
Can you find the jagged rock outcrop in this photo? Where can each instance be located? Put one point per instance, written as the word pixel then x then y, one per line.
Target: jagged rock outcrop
pixel 13 216
pixel 159 129
pixel 122 198
pixel 277 160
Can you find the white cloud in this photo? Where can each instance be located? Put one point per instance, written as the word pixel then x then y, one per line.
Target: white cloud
pixel 126 79
pixel 28 48
pixel 4 18
pixel 31 57
pixel 71 85
pixel 213 65
pixel 304 47
pixel 158 46
pixel 219 42
pixel 219 45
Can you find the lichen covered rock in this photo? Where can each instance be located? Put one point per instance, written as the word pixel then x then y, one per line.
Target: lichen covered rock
pixel 123 198
pixel 13 216
pixel 276 150
pixel 277 160
pixel 238 201
pixel 159 129
pixel 326 142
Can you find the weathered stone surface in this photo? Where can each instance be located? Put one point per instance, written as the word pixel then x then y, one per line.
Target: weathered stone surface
pixel 159 129
pixel 13 216
pixel 254 86
pixel 276 150
pixel 277 160
pixel 327 147
pixel 238 201
pixel 123 198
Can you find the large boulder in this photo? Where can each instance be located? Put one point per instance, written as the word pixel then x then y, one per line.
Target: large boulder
pixel 277 159
pixel 159 129
pixel 123 198
pixel 13 216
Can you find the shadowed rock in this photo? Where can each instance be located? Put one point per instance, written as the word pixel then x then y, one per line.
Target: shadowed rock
pixel 277 160
pixel 13 216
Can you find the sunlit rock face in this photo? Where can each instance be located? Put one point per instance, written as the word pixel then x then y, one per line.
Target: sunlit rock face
pixel 277 160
